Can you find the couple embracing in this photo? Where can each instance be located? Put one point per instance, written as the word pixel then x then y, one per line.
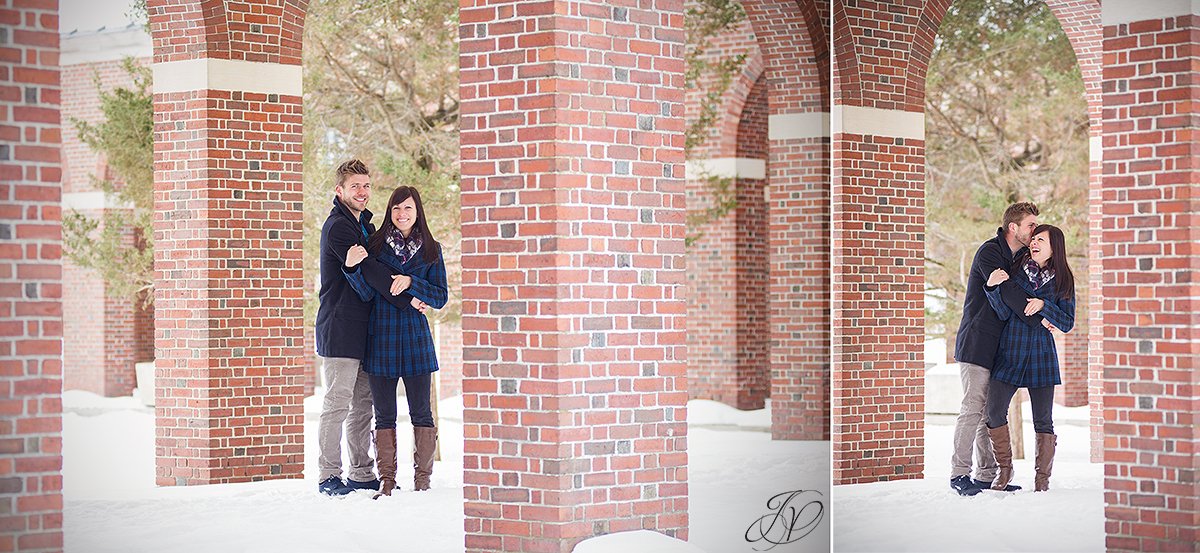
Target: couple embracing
pixel 1020 290
pixel 372 333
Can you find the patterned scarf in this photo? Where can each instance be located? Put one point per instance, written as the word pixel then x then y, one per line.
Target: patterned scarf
pixel 404 248
pixel 1038 276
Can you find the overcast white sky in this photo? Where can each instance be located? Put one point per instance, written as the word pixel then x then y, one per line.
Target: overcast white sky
pixel 89 15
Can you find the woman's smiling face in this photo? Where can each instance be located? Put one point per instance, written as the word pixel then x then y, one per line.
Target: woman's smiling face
pixel 1039 248
pixel 404 215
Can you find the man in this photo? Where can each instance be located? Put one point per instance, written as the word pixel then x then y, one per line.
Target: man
pixel 976 346
pixel 342 338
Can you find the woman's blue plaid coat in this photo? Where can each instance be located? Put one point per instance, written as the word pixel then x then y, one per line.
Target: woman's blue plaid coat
pixel 399 341
pixel 1027 357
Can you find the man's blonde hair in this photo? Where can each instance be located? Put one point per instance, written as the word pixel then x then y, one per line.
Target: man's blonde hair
pixel 1018 211
pixel 352 167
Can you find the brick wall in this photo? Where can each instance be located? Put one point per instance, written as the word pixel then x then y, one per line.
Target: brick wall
pixel 1150 262
pixel 30 279
pixel 1073 364
pixel 449 355
pixel 228 259
pixel 574 375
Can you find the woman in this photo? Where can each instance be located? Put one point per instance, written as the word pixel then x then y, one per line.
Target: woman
pixel 401 344
pixel 1027 357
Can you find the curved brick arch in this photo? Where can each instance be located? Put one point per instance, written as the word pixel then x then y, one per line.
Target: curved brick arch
pixel 792 36
pixel 735 103
pixel 1079 20
pixel 265 32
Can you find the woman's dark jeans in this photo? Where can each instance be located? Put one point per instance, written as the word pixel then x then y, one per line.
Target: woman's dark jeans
pixel 383 393
pixel 1000 395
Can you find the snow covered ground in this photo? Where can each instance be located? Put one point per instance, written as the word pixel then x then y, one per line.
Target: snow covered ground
pixel 112 505
pixel 927 516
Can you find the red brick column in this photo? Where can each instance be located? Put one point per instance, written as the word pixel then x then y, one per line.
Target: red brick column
pixel 30 279
pixel 792 36
pixel 752 259
pixel 878 205
pixel 573 239
pixel 1151 205
pixel 230 373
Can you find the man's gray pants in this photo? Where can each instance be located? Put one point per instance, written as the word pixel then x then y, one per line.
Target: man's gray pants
pixel 970 432
pixel 347 402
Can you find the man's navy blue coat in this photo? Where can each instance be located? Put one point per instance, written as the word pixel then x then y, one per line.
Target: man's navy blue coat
pixel 342 317
pixel 979 332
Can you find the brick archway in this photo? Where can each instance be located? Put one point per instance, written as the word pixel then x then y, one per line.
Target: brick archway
pixel 794 43
pixel 878 169
pixel 758 301
pixel 879 107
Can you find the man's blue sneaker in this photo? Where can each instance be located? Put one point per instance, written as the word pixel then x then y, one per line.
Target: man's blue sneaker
pixel 333 486
pixel 964 485
pixel 988 485
pixel 372 484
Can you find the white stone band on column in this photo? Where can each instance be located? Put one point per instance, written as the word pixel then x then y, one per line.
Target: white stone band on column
pixel 732 167
pixel 77 48
pixel 214 74
pixel 91 201
pixel 1116 12
pixel 878 122
pixel 814 124
pixel 1095 148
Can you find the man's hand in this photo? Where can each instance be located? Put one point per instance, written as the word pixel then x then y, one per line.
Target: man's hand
pixel 419 305
pixel 1049 326
pixel 355 255
pixel 400 283
pixel 997 277
pixel 1033 305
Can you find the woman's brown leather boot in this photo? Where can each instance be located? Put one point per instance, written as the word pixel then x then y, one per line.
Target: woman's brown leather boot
pixel 424 444
pixel 1002 449
pixel 1043 461
pixel 385 460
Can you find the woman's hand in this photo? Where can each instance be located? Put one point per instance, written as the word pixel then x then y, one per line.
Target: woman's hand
pixel 419 305
pixel 997 277
pixel 1049 326
pixel 355 255
pixel 400 283
pixel 1033 305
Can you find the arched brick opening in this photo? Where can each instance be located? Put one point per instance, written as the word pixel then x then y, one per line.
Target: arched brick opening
pixel 879 93
pixel 758 303
pixel 1140 223
pixel 793 40
pixel 726 337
